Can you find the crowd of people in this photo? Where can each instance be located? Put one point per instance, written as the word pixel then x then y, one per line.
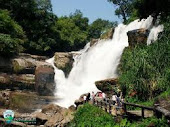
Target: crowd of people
pixel 116 98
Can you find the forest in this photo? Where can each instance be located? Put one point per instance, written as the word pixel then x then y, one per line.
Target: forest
pixel 32 27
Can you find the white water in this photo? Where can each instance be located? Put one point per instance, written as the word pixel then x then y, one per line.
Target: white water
pixel 95 63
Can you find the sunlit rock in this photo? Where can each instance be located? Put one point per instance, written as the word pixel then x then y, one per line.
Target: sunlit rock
pixel 138 36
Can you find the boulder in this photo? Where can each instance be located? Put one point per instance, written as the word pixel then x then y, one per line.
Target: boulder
pixel 55 120
pixel 44 80
pixel 64 61
pixel 41 118
pixel 57 116
pixel 22 65
pixel 107 86
pixel 138 36
pixel 51 109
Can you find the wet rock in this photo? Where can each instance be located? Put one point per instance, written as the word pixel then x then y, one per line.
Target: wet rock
pixel 107 86
pixel 138 36
pixel 64 61
pixel 44 80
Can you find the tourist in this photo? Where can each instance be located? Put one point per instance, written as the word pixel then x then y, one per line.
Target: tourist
pixel 118 101
pixel 92 97
pixel 85 98
pixel 103 96
pixel 114 98
pixel 88 97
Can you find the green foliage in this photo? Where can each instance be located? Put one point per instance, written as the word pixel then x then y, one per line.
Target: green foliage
pixel 144 70
pixel 12 36
pixel 46 33
pixel 99 27
pixel 91 116
pixel 72 37
pixel 124 8
pixel 152 7
pixel 152 122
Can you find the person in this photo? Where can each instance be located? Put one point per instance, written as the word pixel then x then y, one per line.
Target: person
pixel 114 98
pixel 88 97
pixel 103 96
pixel 92 97
pixel 118 101
pixel 84 98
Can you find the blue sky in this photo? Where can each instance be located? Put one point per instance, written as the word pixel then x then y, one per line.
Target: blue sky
pixel 92 9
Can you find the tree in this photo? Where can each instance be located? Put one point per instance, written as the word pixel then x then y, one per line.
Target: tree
pixel 99 26
pixel 37 20
pixel 72 37
pixel 12 36
pixel 80 21
pixel 124 8
pixel 152 7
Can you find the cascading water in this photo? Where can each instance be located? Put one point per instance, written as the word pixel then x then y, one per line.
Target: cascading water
pixel 95 63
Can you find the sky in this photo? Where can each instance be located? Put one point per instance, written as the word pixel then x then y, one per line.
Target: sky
pixel 93 9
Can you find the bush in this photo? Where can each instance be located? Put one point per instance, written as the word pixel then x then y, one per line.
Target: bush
pixel 91 116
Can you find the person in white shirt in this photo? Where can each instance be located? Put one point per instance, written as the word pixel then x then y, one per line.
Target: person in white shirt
pixel 114 99
pixel 84 98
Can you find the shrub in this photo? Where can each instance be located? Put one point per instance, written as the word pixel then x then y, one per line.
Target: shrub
pixel 91 116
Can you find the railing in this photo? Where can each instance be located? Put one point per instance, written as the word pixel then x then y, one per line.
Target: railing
pixel 107 105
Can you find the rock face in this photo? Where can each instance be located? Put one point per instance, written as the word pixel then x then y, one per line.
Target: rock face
pixel 64 61
pixel 17 82
pixel 44 78
pixel 107 86
pixel 138 36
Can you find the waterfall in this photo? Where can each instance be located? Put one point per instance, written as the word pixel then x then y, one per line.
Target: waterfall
pixel 95 63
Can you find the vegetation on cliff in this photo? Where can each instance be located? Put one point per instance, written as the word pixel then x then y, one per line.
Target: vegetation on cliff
pixel 144 70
